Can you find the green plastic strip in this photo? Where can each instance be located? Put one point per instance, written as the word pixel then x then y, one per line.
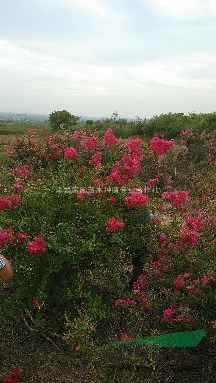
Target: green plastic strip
pixel 178 339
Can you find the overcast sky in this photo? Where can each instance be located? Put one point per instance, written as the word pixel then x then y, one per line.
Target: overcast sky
pixel 95 57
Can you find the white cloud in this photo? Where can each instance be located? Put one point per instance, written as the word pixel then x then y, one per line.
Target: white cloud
pixel 98 8
pixel 52 72
pixel 184 9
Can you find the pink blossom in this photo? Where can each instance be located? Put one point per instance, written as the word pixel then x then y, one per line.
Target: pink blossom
pixel 31 132
pixel 187 275
pixel 70 153
pixel 37 303
pixel 82 193
pixel 90 143
pixel 113 199
pixel 114 225
pixel 206 278
pixel 109 138
pixel 136 199
pixel 168 314
pixel 125 302
pixel 179 282
pixel 195 223
pixel 160 146
pixel 5 203
pixel 37 246
pixel 180 318
pixel 116 177
pixel 18 187
pixel 140 285
pixel 5 237
pixel 133 145
pixel 190 287
pixel 131 164
pixel 21 236
pixel 188 237
pixel 23 172
pixel 97 181
pixel 152 182
pixel 96 159
pixel 176 197
pixel 15 200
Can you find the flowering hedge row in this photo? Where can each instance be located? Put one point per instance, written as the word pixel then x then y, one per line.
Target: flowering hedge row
pixel 76 210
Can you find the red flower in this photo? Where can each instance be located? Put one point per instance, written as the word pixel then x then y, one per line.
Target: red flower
pixel 37 246
pixel 91 143
pixel 96 159
pixel 5 237
pixel 37 303
pixel 18 187
pixel 134 145
pixel 160 146
pixel 110 138
pixel 13 377
pixel 21 236
pixel 5 203
pixel 113 199
pixel 176 198
pixel 70 153
pixel 168 314
pixel 114 225
pixel 136 198
pixel 125 336
pixel 82 193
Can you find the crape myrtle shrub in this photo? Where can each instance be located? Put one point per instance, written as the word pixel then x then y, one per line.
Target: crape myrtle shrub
pixel 76 209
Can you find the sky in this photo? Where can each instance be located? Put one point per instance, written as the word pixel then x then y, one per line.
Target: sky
pixel 96 57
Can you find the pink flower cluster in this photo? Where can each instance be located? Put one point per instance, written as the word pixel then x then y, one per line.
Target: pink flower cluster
pixel 21 236
pixel 131 164
pixel 37 303
pixel 13 377
pixel 174 314
pixel 79 135
pixel 140 285
pixel 114 225
pixel 37 246
pixel 109 138
pixel 160 266
pixel 5 236
pixel 187 282
pixel 152 182
pixel 134 145
pixel 22 172
pixel 82 193
pixel 176 198
pixel 90 143
pixel 195 223
pixel 116 177
pixel 9 202
pixel 136 199
pixel 18 187
pixel 31 132
pixel 187 237
pixel 125 302
pixel 96 159
pixel 160 146
pixel 70 153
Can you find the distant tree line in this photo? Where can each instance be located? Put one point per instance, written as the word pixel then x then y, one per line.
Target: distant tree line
pixel 169 125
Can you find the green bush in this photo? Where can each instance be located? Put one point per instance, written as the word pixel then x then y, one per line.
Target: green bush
pixel 71 287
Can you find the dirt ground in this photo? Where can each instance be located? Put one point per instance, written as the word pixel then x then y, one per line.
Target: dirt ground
pixel 41 362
